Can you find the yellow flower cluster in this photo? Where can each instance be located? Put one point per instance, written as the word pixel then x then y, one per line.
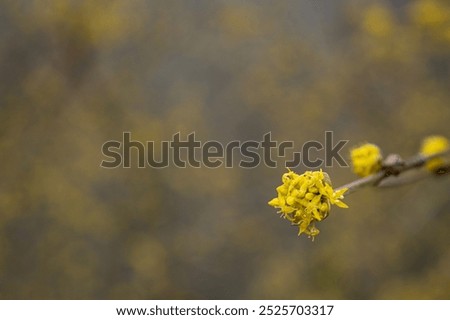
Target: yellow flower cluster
pixel 306 198
pixel 433 145
pixel 366 159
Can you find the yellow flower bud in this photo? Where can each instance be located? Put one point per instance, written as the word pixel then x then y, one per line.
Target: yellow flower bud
pixel 366 159
pixel 290 200
pixel 432 145
pixel 309 196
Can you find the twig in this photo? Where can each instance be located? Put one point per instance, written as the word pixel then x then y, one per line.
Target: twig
pixel 393 167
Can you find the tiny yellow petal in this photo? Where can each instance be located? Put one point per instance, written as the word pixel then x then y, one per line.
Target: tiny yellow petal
pixel 341 204
pixel 317 215
pixel 339 193
pixel 274 202
pixel 282 189
pixel 287 209
pixel 432 145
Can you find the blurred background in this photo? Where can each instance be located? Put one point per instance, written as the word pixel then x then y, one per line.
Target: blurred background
pixel 75 74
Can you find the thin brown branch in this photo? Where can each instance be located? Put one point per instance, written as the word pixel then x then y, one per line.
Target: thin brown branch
pixel 392 169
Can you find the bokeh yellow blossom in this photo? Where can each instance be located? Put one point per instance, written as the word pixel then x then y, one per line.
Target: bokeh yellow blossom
pixel 429 13
pixel 432 16
pixel 432 145
pixel 366 159
pixel 305 199
pixel 378 21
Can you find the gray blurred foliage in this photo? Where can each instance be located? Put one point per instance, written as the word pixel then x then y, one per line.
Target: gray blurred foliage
pixel 75 74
